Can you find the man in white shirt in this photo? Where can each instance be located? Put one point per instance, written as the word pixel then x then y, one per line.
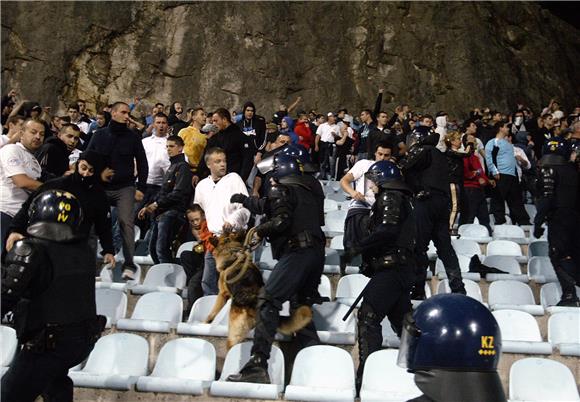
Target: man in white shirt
pixel 19 173
pixel 76 117
pixel 362 196
pixel 213 194
pixel 326 135
pixel 14 124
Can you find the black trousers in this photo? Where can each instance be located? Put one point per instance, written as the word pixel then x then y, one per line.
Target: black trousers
pixel 192 264
pixel 432 222
pixel 475 206
pixel 508 190
pixel 564 245
pixel 32 374
pixel 355 226
pixel 296 276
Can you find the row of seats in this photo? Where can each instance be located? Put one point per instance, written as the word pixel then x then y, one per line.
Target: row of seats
pixel 320 373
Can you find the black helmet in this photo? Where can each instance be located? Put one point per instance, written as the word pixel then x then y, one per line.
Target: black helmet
pixel 557 146
pixel 418 135
pixel 301 153
pixel 55 215
pixel 450 332
pixel 281 165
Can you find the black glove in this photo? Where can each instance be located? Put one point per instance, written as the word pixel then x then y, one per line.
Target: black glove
pixel 538 231
pixel 238 198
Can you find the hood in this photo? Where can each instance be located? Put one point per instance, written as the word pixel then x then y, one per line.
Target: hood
pixel 251 104
pixel 290 121
pixel 441 121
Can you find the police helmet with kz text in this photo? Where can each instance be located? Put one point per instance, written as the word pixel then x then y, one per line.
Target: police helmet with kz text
pixel 557 146
pixel 387 175
pixel 452 343
pixel 281 165
pixel 55 215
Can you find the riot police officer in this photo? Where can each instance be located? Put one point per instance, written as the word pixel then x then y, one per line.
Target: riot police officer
pixel 48 282
pixel 387 259
pixel 452 343
pixel 295 214
pixel 426 172
pixel 557 204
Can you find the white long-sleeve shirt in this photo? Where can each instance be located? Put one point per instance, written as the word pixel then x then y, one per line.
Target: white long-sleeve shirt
pixel 525 165
pixel 214 198
pixel 157 158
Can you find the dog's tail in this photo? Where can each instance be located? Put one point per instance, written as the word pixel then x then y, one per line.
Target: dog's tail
pixel 298 320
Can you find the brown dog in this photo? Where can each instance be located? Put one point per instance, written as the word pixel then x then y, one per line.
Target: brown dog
pixel 241 280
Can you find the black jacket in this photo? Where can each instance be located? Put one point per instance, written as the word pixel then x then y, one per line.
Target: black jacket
pixel 53 157
pixel 176 189
pixel 231 140
pixel 455 164
pixel 122 147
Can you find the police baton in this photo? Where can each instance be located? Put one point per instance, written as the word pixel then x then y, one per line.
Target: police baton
pixel 358 298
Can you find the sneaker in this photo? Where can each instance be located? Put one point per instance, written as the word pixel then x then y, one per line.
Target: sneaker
pixel 128 274
pixel 255 371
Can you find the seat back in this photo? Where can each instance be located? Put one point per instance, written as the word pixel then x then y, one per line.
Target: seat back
pixel 517 325
pixel 323 366
pixel 382 374
pixel 510 292
pixel 159 306
pixel 337 242
pixel 541 267
pixel 165 274
pixel 330 205
pixel 534 379
pixel 331 256
pixel 538 248
pixel 466 247
pixel 505 263
pixel 201 308
pixel 564 327
pixel 8 344
pixel 119 353
pixel 463 264
pixel 186 358
pixel 508 232
pixel 471 288
pixel 504 247
pixel 111 303
pixel 473 231
pixel 328 317
pixel 334 221
pixel 325 289
pixel 187 246
pixel 551 293
pixel 351 285
pixel 239 355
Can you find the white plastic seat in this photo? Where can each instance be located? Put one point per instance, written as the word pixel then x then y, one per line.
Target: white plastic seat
pixel 154 312
pixel 564 332
pixel 266 261
pixel 325 288
pixel 538 248
pixel 466 247
pixel 390 338
pixel 112 304
pixel 550 295
pixel 338 196
pixel 337 242
pixel 334 223
pixel 162 278
pixel 8 345
pixel 384 381
pixel 541 270
pixel 349 287
pixel 506 247
pixel 331 261
pixel 471 288
pixel 112 280
pixel 143 259
pixel 520 333
pixel 538 380
pixel 196 325
pixel 116 362
pixel 327 318
pixel 344 205
pixel 330 205
pixel 510 232
pixel 184 366
pixel 428 294
pixel 507 264
pixel 463 265
pixel 513 295
pixel 187 246
pixel 531 210
pixel 475 232
pixel 236 358
pixel 322 373
pixel 431 251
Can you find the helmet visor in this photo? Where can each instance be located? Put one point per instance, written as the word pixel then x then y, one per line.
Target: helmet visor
pixel 409 338
pixel 266 165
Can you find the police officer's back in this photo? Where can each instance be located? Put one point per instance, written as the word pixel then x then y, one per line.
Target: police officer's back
pixel 48 282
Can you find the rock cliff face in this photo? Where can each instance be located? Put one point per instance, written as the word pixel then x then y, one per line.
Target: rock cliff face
pixel 449 56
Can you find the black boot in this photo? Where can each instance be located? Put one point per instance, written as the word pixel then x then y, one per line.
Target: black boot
pixel 569 300
pixel 370 338
pixel 255 370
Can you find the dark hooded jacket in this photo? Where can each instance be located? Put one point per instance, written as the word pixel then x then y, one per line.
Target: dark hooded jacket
pixel 53 158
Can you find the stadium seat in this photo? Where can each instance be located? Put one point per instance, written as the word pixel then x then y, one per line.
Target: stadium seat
pixel 196 325
pixel 390 338
pixel 337 242
pixel 344 205
pixel 384 381
pixel 235 360
pixel 322 373
pixel 534 379
pixel 162 278
pixel 334 223
pixel 463 265
pixel 330 205
pixel 154 312
pixel 507 264
pixel 506 247
pixel 349 287
pixel 187 246
pixel 329 324
pixel 416 303
pixel 431 251
pixel 538 248
pixel 468 248
pixel 513 295
pixel 266 261
pixel 143 259
pixel 112 304
pixel 116 362
pixel 550 295
pixel 531 210
pixel 475 232
pixel 8 344
pixel 520 333
pixel 564 332
pixel 471 288
pixel 339 196
pixel 510 232
pixel 540 270
pixel 184 366
pixel 111 278
pixel 331 261
pixel 325 288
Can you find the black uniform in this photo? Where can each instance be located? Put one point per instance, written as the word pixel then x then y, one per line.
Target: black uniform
pixel 558 203
pixel 51 288
pixel 426 172
pixel 388 261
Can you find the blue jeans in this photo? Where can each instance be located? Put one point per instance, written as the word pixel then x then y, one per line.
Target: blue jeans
pixel 209 278
pixel 165 228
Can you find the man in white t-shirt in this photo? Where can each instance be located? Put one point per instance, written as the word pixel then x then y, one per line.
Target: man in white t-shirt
pixel 213 194
pixel 19 173
pixel 326 135
pixel 362 196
